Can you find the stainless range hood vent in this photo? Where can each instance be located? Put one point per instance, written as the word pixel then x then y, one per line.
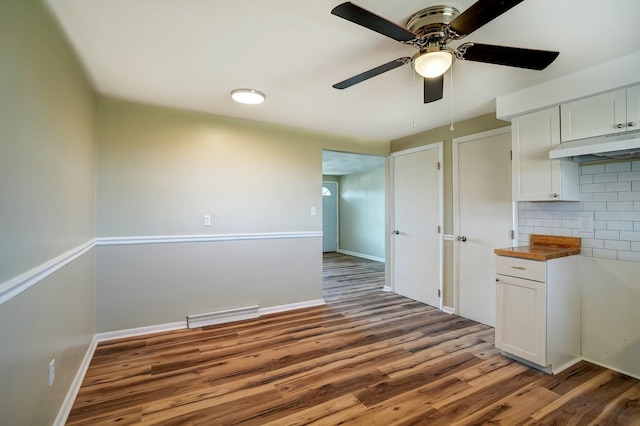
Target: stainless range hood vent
pixel 624 146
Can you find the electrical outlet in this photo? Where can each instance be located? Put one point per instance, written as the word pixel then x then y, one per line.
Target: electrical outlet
pixel 586 224
pixel 51 374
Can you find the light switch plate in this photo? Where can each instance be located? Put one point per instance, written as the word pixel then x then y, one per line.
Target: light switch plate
pixel 206 220
pixel 313 210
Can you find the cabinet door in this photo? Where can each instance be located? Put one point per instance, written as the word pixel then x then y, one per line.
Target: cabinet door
pixel 633 108
pixel 534 176
pixel 521 318
pixel 594 116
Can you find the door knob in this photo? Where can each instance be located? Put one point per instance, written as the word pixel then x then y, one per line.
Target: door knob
pixel 396 232
pixel 462 238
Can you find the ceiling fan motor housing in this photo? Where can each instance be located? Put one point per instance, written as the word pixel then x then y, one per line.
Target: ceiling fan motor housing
pixel 431 24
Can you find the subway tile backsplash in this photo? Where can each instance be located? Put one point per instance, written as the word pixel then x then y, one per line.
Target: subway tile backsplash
pixel 609 208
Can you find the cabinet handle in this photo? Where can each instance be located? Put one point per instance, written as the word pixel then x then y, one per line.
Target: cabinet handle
pixel 620 126
pixel 631 124
pixel 554 195
pixel 521 268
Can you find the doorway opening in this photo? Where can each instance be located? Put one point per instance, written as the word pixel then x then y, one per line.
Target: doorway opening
pixel 353 211
pixel 330 215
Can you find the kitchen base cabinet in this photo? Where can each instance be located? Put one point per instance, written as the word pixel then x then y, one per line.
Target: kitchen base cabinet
pixel 538 311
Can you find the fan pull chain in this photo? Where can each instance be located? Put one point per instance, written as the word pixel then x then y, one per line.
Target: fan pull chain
pixel 451 129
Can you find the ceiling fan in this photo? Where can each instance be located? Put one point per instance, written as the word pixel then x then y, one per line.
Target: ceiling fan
pixel 430 31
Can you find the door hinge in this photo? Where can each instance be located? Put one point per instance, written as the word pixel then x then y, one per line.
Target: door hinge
pixel 438 229
pixel 510 155
pixel 438 165
pixel 439 293
pixel 513 234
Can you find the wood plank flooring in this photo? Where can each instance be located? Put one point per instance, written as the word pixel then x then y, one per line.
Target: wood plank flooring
pixel 367 357
pixel 347 276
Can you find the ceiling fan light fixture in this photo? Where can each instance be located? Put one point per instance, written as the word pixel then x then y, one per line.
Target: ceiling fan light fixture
pixel 247 96
pixel 432 63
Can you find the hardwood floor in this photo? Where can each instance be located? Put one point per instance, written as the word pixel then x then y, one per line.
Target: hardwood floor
pixel 348 276
pixel 367 357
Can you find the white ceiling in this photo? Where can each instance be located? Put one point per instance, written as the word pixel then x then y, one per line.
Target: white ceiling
pixel 190 54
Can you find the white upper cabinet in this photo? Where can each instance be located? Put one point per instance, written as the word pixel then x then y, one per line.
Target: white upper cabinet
pixel 608 113
pixel 534 176
pixel 633 108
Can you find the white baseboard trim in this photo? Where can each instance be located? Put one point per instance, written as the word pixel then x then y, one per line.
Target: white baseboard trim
pixel 11 288
pixel 139 331
pixel 364 256
pixel 561 368
pixel 601 364
pixel 291 306
pixel 212 238
pixel 179 325
pixel 72 393
pixel 221 317
pixel 448 310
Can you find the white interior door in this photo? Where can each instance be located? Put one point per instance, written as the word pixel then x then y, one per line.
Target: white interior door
pixel 329 216
pixel 417 219
pixel 483 219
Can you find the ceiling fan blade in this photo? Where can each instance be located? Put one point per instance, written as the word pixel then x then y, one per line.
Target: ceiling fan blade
pixel 509 56
pixel 363 17
pixel 372 73
pixel 433 88
pixel 479 14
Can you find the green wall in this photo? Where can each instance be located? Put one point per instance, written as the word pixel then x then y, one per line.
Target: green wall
pixel 47 182
pixel 362 213
pixel 160 170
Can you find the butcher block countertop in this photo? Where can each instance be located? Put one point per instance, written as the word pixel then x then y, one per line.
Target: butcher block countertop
pixel 543 247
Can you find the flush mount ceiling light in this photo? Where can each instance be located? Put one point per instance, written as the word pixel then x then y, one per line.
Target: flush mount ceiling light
pixel 433 62
pixel 247 96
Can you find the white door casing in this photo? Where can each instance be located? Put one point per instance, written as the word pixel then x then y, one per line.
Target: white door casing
pixel 330 217
pixel 483 219
pixel 417 218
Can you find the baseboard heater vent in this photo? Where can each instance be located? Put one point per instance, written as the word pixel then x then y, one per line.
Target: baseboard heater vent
pixel 221 317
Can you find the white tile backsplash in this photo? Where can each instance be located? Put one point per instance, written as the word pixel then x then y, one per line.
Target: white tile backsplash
pixel 604 178
pixel 618 186
pixel 617 167
pixel 629 176
pixel 590 170
pixel 592 187
pixel 610 194
pixel 629 196
pixel 620 205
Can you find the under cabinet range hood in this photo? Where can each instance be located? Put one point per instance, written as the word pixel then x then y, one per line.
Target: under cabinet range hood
pixel 624 146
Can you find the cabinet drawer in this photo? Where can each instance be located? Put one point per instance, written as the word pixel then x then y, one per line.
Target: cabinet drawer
pixel 521 268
